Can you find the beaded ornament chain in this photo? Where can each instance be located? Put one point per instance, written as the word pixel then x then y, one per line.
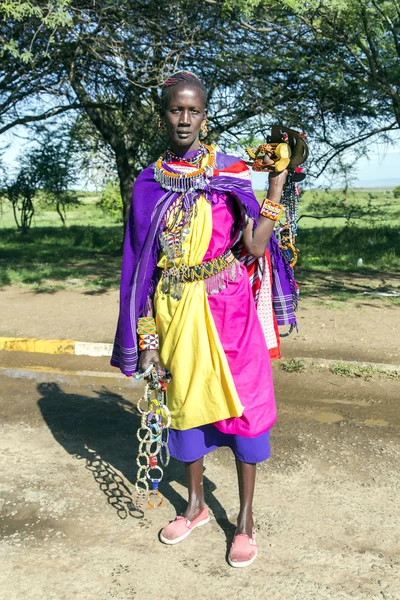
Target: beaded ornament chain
pixel 153 439
pixel 287 232
pixel 176 228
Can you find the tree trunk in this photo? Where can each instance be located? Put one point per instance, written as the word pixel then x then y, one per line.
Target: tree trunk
pixel 15 213
pixel 27 212
pixel 126 179
pixel 59 210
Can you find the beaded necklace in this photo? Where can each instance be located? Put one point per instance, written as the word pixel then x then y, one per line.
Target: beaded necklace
pixel 170 156
pixel 286 233
pixel 177 221
pixel 176 228
pixel 185 181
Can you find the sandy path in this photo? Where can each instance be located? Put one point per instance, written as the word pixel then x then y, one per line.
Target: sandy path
pixel 327 503
pixel 356 330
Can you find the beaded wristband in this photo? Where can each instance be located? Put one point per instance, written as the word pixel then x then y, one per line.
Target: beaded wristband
pixel 149 341
pixel 147 332
pixel 271 210
pixel 146 325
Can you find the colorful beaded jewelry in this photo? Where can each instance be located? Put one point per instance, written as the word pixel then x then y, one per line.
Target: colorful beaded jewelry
pixel 149 342
pixel 153 439
pixel 185 181
pixel 147 332
pixel 271 210
pixel 146 325
pixel 204 129
pixel 160 125
pixel 194 160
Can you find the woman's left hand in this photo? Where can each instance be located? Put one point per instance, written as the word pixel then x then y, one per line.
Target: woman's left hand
pixel 275 179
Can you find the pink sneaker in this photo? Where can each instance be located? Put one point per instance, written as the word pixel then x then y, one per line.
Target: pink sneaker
pixel 179 529
pixel 243 550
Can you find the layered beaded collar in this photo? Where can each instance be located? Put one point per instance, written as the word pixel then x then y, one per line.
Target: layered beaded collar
pixel 185 180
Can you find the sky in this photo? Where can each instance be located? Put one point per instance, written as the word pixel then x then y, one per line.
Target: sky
pixel 381 169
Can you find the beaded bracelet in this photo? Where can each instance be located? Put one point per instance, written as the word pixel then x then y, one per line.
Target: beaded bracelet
pixel 271 210
pixel 146 325
pixel 147 332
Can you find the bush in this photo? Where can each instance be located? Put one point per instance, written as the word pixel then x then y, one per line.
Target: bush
pixel 110 200
pixel 396 192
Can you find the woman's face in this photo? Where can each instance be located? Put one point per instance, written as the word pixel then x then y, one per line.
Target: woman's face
pixel 183 114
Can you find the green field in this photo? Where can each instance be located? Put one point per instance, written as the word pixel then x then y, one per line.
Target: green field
pixel 86 255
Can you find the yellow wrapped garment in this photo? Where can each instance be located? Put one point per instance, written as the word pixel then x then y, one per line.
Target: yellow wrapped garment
pixel 202 389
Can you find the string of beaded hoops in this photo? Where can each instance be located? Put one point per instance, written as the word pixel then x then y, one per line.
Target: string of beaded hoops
pixel 286 232
pixel 153 438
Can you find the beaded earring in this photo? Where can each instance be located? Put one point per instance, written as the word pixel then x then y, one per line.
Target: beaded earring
pixel 161 125
pixel 203 129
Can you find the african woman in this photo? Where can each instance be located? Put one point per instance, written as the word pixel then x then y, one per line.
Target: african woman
pixel 193 303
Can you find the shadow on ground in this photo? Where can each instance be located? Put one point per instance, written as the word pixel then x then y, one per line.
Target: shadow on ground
pixel 101 433
pixel 342 286
pixel 51 258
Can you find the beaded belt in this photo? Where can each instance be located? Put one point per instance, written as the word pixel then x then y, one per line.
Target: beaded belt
pixel 187 274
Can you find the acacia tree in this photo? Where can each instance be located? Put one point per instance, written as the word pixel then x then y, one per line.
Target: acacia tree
pixel 20 190
pixel 344 56
pixel 56 166
pixel 263 61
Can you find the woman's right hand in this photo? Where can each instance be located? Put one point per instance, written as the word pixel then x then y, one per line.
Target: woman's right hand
pixel 148 357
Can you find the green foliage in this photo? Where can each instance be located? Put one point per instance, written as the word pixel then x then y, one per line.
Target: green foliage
pixel 110 200
pixel 293 366
pixel 56 167
pixel 329 68
pixel 47 16
pixel 363 371
pixel 244 7
pixel 396 192
pixel 80 257
pixel 50 165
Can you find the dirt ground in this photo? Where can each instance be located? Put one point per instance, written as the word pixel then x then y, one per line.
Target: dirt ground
pixel 327 504
pixel 361 329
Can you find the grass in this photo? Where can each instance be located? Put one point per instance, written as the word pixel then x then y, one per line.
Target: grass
pixel 51 258
pixel 293 366
pixel 87 253
pixel 344 369
pixel 330 248
pixel 363 371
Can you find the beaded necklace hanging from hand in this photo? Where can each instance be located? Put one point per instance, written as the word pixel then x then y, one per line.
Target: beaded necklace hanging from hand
pixel 287 232
pixel 153 438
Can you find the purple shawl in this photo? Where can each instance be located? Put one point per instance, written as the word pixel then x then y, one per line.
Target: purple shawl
pixel 284 287
pixel 149 205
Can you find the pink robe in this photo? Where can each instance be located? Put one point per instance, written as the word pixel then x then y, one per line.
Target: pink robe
pixel 240 333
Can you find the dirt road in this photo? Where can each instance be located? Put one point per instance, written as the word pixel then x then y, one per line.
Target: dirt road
pixel 327 502
pixel 359 329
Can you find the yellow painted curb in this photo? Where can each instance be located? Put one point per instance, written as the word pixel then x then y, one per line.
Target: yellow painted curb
pixel 34 345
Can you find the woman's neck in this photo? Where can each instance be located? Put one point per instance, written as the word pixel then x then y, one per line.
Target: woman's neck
pixel 185 152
